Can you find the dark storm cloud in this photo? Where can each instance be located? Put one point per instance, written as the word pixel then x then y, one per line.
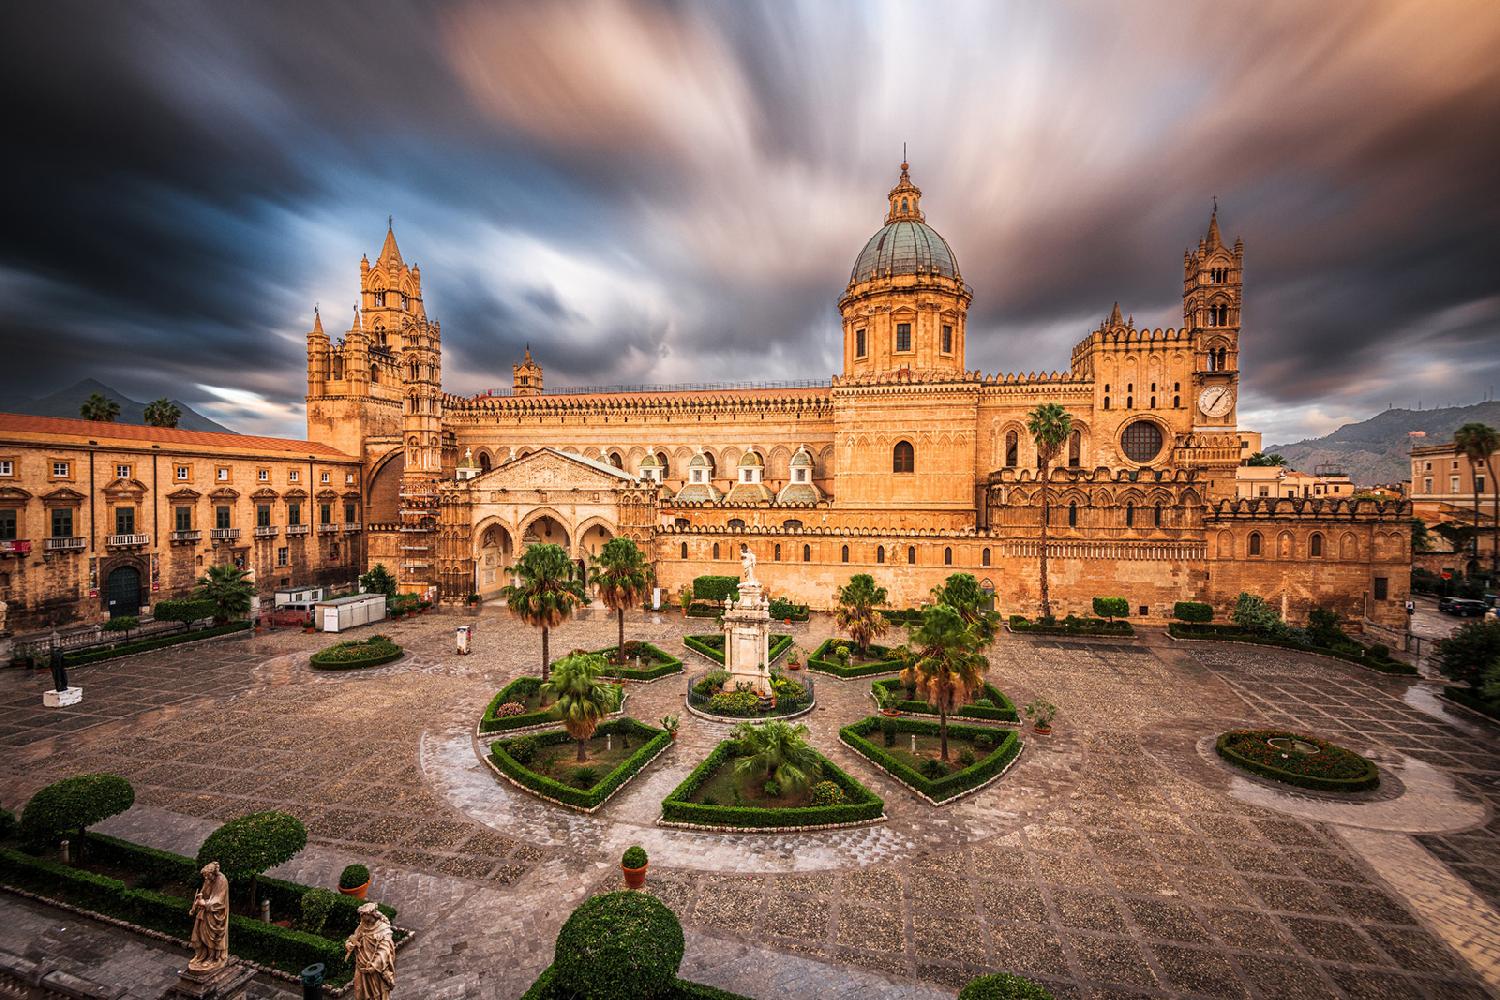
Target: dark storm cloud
pixel 674 192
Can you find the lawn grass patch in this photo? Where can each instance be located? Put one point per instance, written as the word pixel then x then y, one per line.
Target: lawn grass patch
pixel 866 738
pixel 543 762
pixel 688 803
pixel 880 660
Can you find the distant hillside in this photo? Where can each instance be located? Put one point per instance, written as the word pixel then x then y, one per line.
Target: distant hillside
pixel 65 403
pixel 1377 450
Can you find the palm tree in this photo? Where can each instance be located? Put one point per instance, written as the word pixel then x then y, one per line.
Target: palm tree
pixel 548 593
pixel 623 576
pixel 1478 442
pixel 228 588
pixel 947 667
pixel 779 751
pixel 1050 426
pixel 99 407
pixel 962 593
pixel 1261 458
pixel 162 413
pixel 580 697
pixel 857 613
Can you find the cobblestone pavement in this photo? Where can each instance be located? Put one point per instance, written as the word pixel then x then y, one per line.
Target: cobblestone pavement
pixel 1115 859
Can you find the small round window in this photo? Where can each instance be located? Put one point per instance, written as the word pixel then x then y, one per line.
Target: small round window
pixel 1141 441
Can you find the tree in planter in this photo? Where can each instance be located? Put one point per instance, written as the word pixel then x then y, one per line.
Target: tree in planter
pixel 777 751
pixel 548 593
pixel 1111 607
pixel 229 589
pixel 623 577
pixel 947 666
pixel 183 612
pixel 1478 442
pixel 1049 425
pixel 247 847
pixel 857 613
pixel 1466 654
pixel 378 581
pixel 580 697
pixel 123 623
pixel 67 808
pixel 962 593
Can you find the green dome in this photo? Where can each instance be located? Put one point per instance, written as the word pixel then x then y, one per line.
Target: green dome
pixel 906 246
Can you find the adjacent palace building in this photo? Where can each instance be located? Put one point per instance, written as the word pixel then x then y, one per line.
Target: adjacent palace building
pixel 906 465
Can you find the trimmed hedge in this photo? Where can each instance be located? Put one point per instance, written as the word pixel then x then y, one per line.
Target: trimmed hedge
pixel 1070 625
pixel 907 616
pixel 184 611
pixel 715 588
pixel 1193 611
pixel 1333 769
pixel 821 661
pixel 618 946
pixel 1004 709
pixel 944 788
pixel 861 804
pixel 1233 633
pixel 72 805
pixel 1469 698
pixel 546 988
pixel 712 646
pixel 354 654
pixel 1003 986
pixel 666 663
pixel 519 690
pixel 697 610
pixel 1111 607
pixel 550 788
pixel 146 645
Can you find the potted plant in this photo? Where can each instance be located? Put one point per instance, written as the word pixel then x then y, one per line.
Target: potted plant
pixel 886 699
pixel 634 864
pixel 354 881
pixel 685 598
pixel 669 723
pixel 794 658
pixel 1041 713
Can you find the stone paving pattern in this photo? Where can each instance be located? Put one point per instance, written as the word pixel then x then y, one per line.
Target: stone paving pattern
pixel 1116 859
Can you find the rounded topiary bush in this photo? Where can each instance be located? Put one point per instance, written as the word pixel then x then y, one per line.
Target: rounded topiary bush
pixel 1003 986
pixel 619 946
pixel 72 805
pixel 247 846
pixel 826 793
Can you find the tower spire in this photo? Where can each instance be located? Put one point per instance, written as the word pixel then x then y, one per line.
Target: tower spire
pixel 905 197
pixel 1213 226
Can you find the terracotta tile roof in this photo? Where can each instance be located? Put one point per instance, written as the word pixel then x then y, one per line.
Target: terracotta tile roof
pixel 76 430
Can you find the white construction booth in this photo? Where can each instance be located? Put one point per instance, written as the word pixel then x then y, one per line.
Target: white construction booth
pixel 349 612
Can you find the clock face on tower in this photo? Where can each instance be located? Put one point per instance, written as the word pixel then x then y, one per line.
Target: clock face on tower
pixel 1216 400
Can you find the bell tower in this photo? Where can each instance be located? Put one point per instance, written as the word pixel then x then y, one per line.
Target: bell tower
pixel 1212 283
pixel 421 371
pixel 526 377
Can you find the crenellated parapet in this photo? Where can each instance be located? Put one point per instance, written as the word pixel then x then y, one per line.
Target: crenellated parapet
pixel 1100 475
pixel 812 403
pixel 1310 509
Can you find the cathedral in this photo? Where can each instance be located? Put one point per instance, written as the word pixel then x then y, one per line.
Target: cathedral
pixel 906 464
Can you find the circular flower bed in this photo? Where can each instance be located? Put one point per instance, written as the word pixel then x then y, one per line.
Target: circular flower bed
pixel 355 653
pixel 1297 759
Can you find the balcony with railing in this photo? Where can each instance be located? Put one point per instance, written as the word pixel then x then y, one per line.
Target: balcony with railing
pixel 126 541
pixel 299 529
pixel 327 529
pixel 187 535
pixel 65 543
pixel 224 534
pixel 265 531
pixel 15 547
pixel 352 526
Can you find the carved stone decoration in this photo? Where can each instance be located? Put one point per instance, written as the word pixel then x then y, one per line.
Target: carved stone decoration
pixel 210 911
pixel 374 951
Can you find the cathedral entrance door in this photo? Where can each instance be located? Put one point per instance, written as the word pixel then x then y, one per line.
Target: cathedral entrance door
pixel 122 592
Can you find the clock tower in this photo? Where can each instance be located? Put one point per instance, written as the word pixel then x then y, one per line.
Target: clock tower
pixel 1211 295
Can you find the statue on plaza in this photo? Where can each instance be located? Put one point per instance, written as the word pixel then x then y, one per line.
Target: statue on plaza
pixel 747 563
pixel 374 951
pixel 210 912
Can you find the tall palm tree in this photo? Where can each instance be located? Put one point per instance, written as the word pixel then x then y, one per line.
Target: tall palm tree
pixel 1261 458
pixel 779 751
pixel 548 593
pixel 1478 442
pixel 947 666
pixel 857 612
pixel 962 593
pixel 228 588
pixel 162 413
pixel 99 407
pixel 623 577
pixel 580 697
pixel 1049 425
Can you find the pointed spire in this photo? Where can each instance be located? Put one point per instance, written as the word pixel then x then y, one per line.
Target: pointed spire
pixel 1213 238
pixel 317 321
pixel 389 254
pixel 528 354
pixel 1114 316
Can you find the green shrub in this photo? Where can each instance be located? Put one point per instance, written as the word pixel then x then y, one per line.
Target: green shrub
pixel 523 749
pixel 653 741
pixel 7 825
pixel 249 845
pixel 984 741
pixel 772 789
pixel 354 654
pixel 1379 651
pixel 781 609
pixel 1323 628
pixel 1331 769
pixel 378 581
pixel 353 876
pixel 584 777
pixel 317 904
pixel 888 730
pixel 1253 614
pixel 1111 607
pixel 715 588
pixel 711 682
pixel 993 706
pixel 859 805
pixel 939 789
pixel 122 623
pixel 1070 625
pixel 1349 651
pixel 1467 653
pixel 154 642
pixel 1003 986
pixel 833 656
pixel 966 757
pixel 826 793
pixel 67 808
pixel 1193 611
pixel 618 946
pixel 183 611
pixel 634 857
pixel 738 703
pixel 934 769
pixel 655 662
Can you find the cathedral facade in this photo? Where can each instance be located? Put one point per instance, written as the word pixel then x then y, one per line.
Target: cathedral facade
pixel 906 464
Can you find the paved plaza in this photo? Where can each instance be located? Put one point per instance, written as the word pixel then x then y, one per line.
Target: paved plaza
pixel 1117 858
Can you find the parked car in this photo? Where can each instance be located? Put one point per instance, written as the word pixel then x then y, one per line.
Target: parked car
pixel 1463 607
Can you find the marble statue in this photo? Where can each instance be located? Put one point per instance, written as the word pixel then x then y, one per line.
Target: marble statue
pixel 374 951
pixel 210 911
pixel 747 564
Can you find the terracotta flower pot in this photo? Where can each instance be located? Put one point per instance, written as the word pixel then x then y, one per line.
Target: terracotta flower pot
pixel 1042 730
pixel 635 877
pixel 358 892
pixel 891 712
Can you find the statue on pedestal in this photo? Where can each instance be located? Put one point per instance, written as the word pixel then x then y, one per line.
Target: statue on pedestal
pixel 374 951
pixel 747 564
pixel 210 912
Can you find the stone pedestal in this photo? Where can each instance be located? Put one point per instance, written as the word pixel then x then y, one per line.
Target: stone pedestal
pixel 747 631
pixel 225 983
pixel 52 698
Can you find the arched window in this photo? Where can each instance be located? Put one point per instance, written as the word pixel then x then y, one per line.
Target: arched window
pixel 984 558
pixel 616 460
pixel 1075 448
pixel 684 550
pixel 1129 402
pixel 1315 545
pixel 844 554
pixel 1129 514
pixel 911 555
pixel 1073 514
pixel 1106 402
pixel 807 553
pixel 1176 401
pixel 948 556
pixel 777 555
pixel 1223 359
pixel 791 525
pixel 903 457
pixel 661 459
pixel 716 550
pixel 1255 543
pixel 1157 516
pixel 484 461
pixel 880 553
pixel 735 522
pixel 416 371
pixel 374 375
pixel 1012 449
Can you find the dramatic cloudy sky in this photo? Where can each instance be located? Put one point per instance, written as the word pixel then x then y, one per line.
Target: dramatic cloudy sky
pixel 675 192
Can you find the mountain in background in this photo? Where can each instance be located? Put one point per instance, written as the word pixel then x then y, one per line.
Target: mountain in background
pixel 1378 450
pixel 65 403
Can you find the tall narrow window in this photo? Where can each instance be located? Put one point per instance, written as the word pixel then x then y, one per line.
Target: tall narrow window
pixel 1157 516
pixel 1012 449
pixel 903 337
pixel 844 554
pixel 777 556
pixel 911 555
pixel 1255 543
pixel 221 517
pixel 948 556
pixel 1073 515
pixel 62 522
pixel 683 551
pixel 984 557
pixel 860 348
pixel 947 340
pixel 903 457
pixel 1129 515
pixel 880 553
pixel 1075 448
pixel 1315 545
pixel 716 550
pixel 807 553
pixel 262 515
